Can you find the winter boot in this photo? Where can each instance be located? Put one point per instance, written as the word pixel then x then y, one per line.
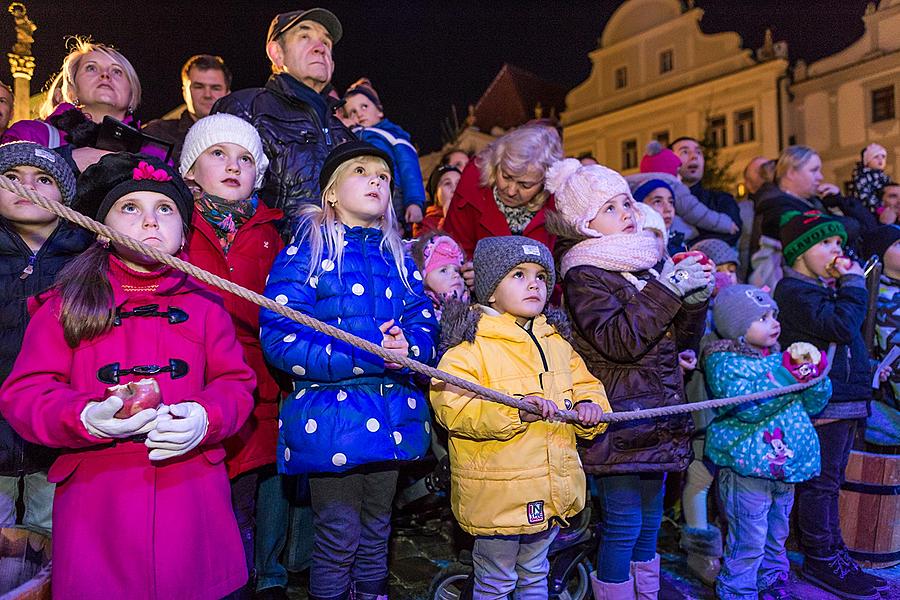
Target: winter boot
pixel 612 591
pixel 646 579
pixel 831 573
pixel 704 552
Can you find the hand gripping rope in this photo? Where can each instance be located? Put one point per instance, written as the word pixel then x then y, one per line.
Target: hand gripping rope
pixel 414 365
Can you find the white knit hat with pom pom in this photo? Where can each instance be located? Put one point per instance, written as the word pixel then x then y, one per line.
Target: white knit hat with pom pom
pixel 580 191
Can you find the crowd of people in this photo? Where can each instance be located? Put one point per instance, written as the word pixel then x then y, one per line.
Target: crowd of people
pixel 170 435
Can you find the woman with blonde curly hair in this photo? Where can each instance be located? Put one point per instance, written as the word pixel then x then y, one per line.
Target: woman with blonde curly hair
pixel 95 81
pixel 501 191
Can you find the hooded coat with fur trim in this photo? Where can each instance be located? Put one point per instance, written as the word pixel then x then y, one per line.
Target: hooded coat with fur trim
pixel 771 438
pixel 510 477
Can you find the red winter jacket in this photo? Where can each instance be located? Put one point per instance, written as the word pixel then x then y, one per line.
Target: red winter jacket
pixel 473 214
pixel 248 263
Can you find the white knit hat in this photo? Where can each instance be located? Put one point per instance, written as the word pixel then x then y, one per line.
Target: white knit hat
pixel 222 128
pixel 580 191
pixel 653 220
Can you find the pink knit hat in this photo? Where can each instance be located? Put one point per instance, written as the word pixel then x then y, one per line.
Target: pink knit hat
pixel 660 160
pixel 581 191
pixel 440 251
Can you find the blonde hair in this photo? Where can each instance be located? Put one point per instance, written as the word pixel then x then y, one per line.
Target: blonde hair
pixel 792 157
pixel 320 226
pixel 52 96
pixel 530 147
pixel 79 48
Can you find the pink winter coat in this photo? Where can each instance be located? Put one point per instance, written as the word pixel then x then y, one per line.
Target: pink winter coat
pixel 124 527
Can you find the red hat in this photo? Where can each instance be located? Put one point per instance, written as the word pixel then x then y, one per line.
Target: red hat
pixel 659 159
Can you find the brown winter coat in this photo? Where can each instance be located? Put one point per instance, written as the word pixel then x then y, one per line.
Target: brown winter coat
pixel 630 341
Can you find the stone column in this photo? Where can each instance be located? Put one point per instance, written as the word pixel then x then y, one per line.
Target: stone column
pixel 21 62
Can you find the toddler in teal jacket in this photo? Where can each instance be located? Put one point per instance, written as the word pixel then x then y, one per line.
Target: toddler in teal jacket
pixel 763 447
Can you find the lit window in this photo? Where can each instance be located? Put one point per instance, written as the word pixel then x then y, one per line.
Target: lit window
pixel 662 137
pixel 717 132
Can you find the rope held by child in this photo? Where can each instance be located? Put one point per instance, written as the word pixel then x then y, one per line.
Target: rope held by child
pixel 308 321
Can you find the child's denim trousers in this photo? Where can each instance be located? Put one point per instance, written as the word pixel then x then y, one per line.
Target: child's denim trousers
pixel 512 563
pixel 758 512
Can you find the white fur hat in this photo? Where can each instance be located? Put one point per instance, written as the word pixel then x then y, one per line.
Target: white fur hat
pixel 653 221
pixel 222 128
pixel 580 191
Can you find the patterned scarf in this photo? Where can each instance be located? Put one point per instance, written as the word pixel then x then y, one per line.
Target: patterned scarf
pixel 226 217
pixel 517 217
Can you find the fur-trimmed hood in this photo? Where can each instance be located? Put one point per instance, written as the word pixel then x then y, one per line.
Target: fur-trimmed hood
pixel 459 323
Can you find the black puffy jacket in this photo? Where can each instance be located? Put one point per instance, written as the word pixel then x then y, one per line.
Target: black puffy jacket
pixel 295 140
pixel 64 244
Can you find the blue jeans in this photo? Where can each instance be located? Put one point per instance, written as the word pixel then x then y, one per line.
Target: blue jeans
pixel 631 509
pixel 275 517
pixel 512 563
pixel 38 499
pixel 758 512
pixel 352 521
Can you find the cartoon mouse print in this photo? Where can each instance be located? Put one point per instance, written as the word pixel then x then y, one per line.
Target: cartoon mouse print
pixel 779 454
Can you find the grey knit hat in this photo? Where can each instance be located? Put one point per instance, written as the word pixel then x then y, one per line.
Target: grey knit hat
pixel 497 256
pixel 737 307
pixel 718 251
pixel 14 154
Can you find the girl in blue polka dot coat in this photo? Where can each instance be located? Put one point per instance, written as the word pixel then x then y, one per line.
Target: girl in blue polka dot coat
pixel 351 417
pixel 762 447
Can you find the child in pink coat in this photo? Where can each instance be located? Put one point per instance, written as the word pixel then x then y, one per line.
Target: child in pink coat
pixel 142 508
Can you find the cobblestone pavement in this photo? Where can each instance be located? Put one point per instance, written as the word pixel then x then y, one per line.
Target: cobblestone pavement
pixel 418 554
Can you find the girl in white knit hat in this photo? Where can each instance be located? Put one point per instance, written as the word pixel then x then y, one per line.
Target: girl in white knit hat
pixel 233 235
pixel 632 310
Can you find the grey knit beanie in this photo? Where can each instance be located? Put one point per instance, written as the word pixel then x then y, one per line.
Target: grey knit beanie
pixel 737 307
pixel 718 251
pixel 14 154
pixel 497 256
pixel 222 128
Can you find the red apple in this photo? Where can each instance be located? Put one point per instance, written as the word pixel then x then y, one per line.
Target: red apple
pixel 136 396
pixel 702 258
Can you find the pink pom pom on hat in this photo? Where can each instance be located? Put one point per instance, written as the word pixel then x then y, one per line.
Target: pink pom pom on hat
pixel 659 159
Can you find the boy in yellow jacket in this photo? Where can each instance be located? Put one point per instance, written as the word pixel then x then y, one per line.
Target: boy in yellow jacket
pixel 515 474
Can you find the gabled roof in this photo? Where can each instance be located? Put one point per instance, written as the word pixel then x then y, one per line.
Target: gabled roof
pixel 512 96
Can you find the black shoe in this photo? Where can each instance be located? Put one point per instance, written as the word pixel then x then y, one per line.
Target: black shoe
pixel 777 591
pixel 271 593
pixel 879 583
pixel 838 577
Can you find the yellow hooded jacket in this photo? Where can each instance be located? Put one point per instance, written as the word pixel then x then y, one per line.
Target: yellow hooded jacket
pixel 510 477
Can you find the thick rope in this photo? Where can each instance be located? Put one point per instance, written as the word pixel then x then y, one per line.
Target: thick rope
pixel 414 365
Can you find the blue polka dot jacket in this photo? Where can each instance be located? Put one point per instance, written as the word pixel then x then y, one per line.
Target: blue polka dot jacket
pixel 347 409
pixel 771 438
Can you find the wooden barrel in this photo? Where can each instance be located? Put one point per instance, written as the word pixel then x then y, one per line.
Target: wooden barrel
pixel 870 508
pixel 24 564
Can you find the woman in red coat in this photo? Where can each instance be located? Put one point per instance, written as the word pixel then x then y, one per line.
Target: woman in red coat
pixel 142 508
pixel 501 191
pixel 234 237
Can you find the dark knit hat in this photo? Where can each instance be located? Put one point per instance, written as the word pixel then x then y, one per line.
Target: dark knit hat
pixel 284 21
pixel 16 154
pixel 737 307
pixel 121 173
pixel 878 240
pixel 718 251
pixel 643 190
pixel 495 257
pixel 347 151
pixel 435 178
pixel 364 86
pixel 802 231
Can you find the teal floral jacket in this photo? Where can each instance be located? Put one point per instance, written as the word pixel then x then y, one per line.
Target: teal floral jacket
pixel 771 438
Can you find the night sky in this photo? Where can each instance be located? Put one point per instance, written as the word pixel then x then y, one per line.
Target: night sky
pixel 422 56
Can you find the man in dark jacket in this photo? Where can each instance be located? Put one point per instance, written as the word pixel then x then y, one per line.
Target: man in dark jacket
pixel 690 152
pixel 293 113
pixel 204 79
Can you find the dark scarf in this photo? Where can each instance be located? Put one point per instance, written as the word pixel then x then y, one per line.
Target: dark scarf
pixel 226 217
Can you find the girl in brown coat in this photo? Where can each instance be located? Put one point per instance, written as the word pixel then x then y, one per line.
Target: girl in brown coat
pixel 632 310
